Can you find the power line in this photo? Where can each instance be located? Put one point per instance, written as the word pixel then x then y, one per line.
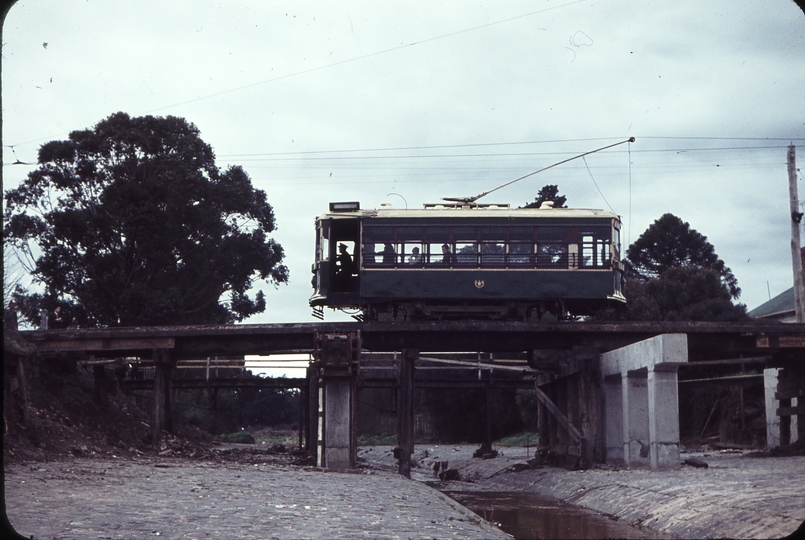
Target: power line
pixel 370 55
pixel 296 156
pixel 596 185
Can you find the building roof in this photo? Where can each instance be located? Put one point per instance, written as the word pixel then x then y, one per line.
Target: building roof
pixel 781 304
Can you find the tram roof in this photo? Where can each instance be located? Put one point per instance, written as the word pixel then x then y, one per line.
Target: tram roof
pixel 453 211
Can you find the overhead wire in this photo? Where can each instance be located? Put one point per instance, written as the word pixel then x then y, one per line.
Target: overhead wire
pixel 596 185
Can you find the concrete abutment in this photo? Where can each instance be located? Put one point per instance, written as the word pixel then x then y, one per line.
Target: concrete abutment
pixel 641 402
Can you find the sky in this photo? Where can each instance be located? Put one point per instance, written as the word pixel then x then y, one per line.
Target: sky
pixel 408 102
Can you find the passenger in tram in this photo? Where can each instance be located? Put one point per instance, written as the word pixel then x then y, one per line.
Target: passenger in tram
pixel 447 257
pixel 415 257
pixel 389 256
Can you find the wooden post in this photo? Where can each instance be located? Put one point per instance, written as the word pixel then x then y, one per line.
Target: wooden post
pixel 23 382
pixel 302 416
pixel 405 410
pixel 796 218
pixel 488 414
pixel 161 420
pixel 785 423
pixel 101 397
pixel 157 418
pixel 312 410
pixel 544 426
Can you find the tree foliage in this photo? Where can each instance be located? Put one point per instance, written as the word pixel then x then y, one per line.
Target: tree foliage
pixel 548 193
pixel 670 242
pixel 681 293
pixel 132 223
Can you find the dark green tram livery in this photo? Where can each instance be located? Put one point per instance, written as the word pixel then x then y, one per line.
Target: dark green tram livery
pixel 450 261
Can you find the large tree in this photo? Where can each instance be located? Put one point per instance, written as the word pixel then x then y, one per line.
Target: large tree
pixel 548 193
pixel 132 223
pixel 670 242
pixel 681 293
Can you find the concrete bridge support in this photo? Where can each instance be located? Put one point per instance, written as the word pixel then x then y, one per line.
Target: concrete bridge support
pixel 642 404
pixel 337 357
pixel 782 396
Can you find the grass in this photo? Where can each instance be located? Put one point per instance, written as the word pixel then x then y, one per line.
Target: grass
pixel 526 438
pixel 270 437
pixel 375 439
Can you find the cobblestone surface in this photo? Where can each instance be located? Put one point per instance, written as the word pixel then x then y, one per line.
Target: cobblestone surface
pixel 737 496
pixel 147 498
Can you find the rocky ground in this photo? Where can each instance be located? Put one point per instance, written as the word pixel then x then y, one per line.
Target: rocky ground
pixel 149 497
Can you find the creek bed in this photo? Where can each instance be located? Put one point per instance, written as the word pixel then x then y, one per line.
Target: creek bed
pixel 532 516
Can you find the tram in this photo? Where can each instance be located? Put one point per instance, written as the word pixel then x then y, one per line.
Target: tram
pixel 464 260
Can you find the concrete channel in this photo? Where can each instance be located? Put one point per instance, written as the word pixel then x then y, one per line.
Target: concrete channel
pixel 737 495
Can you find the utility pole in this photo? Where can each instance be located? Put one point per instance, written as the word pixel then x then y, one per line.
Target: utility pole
pixel 796 218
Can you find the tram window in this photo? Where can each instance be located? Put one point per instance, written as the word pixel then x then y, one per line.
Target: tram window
pixel 595 248
pixel 493 254
pixel 603 253
pixel 521 254
pixel 378 246
pixel 552 254
pixel 379 254
pixel 616 243
pixel 409 234
pixel 440 254
pixel 437 234
pixel 411 253
pixel 588 250
pixel 493 233
pixel 552 234
pixel 466 254
pixel 465 234
pixel 521 234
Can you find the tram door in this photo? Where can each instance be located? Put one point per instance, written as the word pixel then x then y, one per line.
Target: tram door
pixel 340 247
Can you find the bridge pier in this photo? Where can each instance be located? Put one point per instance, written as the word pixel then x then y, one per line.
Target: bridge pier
pixel 784 398
pixel 338 358
pixel 641 402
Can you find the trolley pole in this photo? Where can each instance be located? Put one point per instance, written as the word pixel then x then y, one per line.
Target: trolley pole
pixel 796 218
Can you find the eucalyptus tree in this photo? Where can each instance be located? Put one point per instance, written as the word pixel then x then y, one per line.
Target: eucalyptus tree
pixel 132 223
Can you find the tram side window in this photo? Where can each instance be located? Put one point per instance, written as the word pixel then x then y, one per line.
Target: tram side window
pixel 552 250
pixel 552 254
pixel 521 246
pixel 493 254
pixel 595 248
pixel 378 246
pixel 493 246
pixel 466 254
pixel 521 254
pixel 466 246
pixel 439 250
pixel 410 245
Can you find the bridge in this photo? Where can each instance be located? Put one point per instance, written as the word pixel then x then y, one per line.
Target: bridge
pixel 584 374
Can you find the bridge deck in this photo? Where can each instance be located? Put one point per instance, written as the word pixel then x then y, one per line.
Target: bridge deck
pixel 706 340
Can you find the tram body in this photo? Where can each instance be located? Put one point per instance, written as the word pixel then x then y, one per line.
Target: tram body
pixel 455 261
